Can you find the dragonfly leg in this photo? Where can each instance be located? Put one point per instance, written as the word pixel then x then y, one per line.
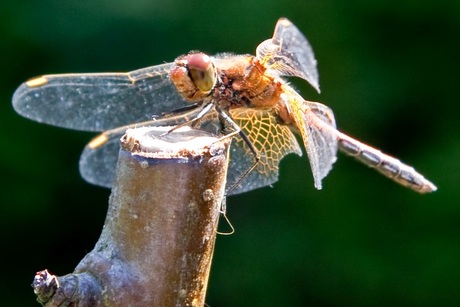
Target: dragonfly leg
pixel 223 211
pixel 205 109
pixel 253 166
pixel 176 111
pixel 244 137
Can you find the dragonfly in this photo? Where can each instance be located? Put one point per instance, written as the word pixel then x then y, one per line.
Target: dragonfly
pixel 245 97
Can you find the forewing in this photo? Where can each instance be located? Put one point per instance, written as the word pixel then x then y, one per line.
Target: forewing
pixel 272 140
pixel 98 102
pixel 289 53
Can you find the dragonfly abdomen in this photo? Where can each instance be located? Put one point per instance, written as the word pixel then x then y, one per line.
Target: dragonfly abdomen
pixel 386 165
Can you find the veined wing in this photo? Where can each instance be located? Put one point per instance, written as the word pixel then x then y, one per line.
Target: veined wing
pixel 98 102
pixel 99 158
pixel 321 145
pixel 311 118
pixel 289 53
pixel 272 140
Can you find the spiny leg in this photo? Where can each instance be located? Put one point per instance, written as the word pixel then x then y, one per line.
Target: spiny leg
pixel 175 112
pixel 237 130
pixel 223 211
pixel 205 110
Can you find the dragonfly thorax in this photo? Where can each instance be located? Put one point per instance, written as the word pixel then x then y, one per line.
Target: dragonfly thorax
pixel 243 82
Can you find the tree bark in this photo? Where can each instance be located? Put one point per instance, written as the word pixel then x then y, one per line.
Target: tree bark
pixel 158 239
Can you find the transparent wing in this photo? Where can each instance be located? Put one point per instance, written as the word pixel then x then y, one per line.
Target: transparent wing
pixel 272 140
pixel 98 102
pixel 321 145
pixel 98 163
pixel 289 53
pixel 99 158
pixel 311 120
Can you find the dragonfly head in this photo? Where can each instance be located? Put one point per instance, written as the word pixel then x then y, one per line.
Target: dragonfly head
pixel 202 71
pixel 194 75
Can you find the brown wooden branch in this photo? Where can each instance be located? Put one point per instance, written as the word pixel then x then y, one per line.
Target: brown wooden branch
pixel 158 238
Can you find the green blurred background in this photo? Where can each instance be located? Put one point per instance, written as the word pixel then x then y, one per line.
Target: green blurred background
pixel 389 71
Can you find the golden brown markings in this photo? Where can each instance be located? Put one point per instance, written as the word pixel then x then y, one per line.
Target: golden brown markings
pixel 296 109
pixel 252 81
pixel 246 78
pixel 98 141
pixel 271 139
pixel 36 82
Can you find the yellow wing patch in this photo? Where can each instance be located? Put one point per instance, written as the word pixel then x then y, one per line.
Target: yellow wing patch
pixel 271 139
pixel 36 82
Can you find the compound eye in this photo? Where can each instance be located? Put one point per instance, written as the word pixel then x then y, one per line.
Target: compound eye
pixel 202 71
